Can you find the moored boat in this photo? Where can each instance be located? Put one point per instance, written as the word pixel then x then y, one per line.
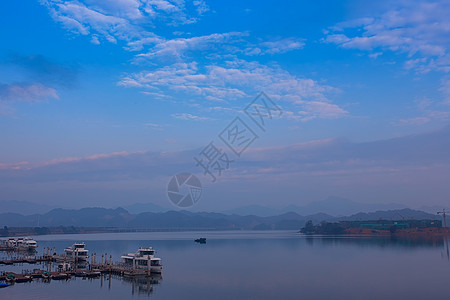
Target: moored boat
pixel 77 252
pixel 23 244
pixel 11 242
pixel 144 258
pixel 59 276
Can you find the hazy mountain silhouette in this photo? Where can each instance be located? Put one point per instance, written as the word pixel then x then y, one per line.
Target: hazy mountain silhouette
pixel 400 214
pixel 24 207
pixel 137 208
pixel 334 206
pixel 337 206
pixel 185 220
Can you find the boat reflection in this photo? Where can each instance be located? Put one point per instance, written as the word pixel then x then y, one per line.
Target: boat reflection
pixel 140 285
pixel 446 248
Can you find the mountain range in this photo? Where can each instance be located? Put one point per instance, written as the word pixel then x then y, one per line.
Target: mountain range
pixel 185 220
pixel 334 206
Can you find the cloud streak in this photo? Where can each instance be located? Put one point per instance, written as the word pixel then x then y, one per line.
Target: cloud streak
pixel 237 79
pixel 327 155
pixel 419 29
pixel 26 92
pixel 398 169
pixel 189 117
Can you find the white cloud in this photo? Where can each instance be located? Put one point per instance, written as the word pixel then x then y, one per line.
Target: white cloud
pixel 26 92
pixel 163 5
pixel 94 40
pixel 117 20
pixel 128 21
pixel 421 30
pixel 220 45
pixel 23 92
pixel 316 109
pixel 238 79
pixel 375 55
pixel 429 110
pixel 176 48
pixel 202 7
pixel 189 117
pixel 154 126
pixel 128 9
pixel 413 121
pixel 276 46
pixel 223 77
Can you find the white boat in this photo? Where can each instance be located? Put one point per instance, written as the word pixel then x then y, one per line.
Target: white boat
pixel 25 243
pixel 77 252
pixel 144 258
pixel 11 242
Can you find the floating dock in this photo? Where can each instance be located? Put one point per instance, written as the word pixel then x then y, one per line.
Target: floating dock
pixel 92 270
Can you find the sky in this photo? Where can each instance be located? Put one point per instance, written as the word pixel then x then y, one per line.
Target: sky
pixel 102 102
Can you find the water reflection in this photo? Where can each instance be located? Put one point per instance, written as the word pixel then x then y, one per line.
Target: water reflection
pixel 140 285
pixel 446 248
pixel 272 265
pixel 403 242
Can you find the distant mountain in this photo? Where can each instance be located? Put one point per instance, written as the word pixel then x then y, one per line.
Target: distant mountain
pixel 406 214
pixel 333 206
pixel 101 217
pixel 257 210
pixel 24 207
pixel 433 209
pixel 137 208
pixel 179 220
pixel 336 206
pixel 185 220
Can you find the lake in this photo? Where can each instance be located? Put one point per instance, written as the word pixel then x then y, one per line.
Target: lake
pixel 255 265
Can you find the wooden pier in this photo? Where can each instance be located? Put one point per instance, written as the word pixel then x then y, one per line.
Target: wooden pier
pixel 38 273
pixel 121 270
pixel 27 260
pixel 100 264
pixel 92 272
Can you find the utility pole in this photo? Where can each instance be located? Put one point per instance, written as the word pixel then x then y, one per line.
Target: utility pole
pixel 443 212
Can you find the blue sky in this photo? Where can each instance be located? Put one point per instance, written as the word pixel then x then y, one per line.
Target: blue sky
pixel 94 94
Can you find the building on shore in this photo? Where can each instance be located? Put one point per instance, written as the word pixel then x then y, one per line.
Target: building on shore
pixel 388 224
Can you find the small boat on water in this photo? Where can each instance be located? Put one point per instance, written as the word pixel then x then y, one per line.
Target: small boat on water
pixel 13 277
pixel 59 276
pixel 46 275
pixel 144 258
pixel 200 240
pixel 3 285
pixel 77 252
pixel 27 243
pixel 87 274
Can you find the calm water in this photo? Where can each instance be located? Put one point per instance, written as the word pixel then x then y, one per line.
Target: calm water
pixel 256 265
